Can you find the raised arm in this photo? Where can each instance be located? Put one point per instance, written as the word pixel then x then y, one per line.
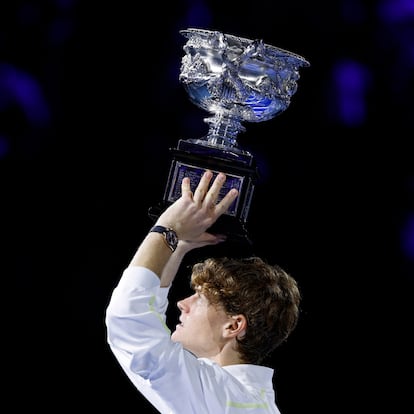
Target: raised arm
pixel 190 217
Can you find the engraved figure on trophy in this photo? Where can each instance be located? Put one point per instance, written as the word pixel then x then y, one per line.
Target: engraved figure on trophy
pixel 236 80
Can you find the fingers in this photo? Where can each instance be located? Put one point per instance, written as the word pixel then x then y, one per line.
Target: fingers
pixel 226 202
pixel 202 188
pixel 214 191
pixel 193 213
pixel 209 197
pixel 186 186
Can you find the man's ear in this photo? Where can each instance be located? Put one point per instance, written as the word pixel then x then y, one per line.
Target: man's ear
pixel 236 326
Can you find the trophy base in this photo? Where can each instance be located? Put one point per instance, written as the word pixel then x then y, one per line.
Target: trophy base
pixel 191 159
pixel 234 229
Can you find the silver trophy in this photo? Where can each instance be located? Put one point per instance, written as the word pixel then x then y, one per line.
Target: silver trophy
pixel 236 80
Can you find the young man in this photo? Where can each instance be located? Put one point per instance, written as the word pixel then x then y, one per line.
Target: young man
pixel 241 310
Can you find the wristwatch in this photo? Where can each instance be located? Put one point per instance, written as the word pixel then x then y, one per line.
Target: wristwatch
pixel 170 236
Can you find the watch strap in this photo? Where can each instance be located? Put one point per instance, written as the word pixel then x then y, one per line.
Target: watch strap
pixel 170 236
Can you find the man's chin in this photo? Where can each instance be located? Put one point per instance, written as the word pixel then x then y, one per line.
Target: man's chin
pixel 175 337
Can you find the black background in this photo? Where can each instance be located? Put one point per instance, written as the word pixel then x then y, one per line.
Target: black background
pixel 330 205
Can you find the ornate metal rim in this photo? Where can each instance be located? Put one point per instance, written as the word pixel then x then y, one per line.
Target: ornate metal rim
pixel 273 50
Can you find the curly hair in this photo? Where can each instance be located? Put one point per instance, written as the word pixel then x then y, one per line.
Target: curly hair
pixel 265 294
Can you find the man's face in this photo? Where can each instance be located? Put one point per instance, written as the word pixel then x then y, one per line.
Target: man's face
pixel 202 326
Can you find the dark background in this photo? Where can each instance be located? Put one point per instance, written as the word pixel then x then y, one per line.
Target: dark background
pixel 90 103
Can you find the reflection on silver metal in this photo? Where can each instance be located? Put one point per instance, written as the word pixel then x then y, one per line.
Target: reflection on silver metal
pixel 236 80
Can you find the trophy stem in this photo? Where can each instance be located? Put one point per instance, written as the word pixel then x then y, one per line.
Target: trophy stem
pixel 223 130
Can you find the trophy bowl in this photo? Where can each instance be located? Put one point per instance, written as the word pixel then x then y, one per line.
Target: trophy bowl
pixel 236 80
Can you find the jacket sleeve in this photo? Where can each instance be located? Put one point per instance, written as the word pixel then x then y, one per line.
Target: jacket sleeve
pixel 136 323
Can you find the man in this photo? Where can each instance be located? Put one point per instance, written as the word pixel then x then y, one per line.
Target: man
pixel 241 310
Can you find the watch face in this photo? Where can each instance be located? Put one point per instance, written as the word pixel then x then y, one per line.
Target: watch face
pixel 172 239
pixel 170 236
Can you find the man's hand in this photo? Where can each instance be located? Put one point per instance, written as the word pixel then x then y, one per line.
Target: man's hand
pixel 193 213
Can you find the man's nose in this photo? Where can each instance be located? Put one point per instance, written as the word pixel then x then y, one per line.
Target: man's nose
pixel 184 304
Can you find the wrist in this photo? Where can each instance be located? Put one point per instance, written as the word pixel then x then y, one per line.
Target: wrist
pixel 169 235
